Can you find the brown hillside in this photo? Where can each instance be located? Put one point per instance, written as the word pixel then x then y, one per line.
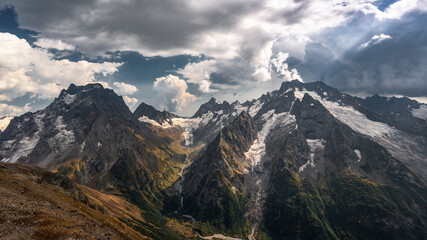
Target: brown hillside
pixel 35 204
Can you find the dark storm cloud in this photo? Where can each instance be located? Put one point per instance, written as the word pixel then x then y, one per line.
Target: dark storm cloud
pixel 232 72
pixel 9 23
pixel 157 25
pixel 393 66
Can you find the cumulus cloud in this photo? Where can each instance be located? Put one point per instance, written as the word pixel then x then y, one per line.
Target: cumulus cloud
pixel 172 93
pixel 4 98
pixel 243 36
pixel 205 86
pixel 53 44
pixel 394 11
pixel 214 75
pixel 376 39
pixel 282 68
pixel 199 73
pixel 224 29
pixel 124 88
pixel 11 110
pixel 131 102
pixel 26 69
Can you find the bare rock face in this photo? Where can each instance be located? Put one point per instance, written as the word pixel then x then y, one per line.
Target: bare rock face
pixel 213 186
pixel 212 105
pixel 148 111
pixel 393 105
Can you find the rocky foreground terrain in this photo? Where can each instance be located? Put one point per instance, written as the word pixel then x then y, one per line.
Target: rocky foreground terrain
pixel 37 204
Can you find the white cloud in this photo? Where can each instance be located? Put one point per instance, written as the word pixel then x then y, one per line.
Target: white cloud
pixel 282 69
pixel 11 110
pixel 199 73
pixel 172 93
pixel 124 89
pixel 53 44
pixel 131 102
pixel 4 98
pixel 26 69
pixel 420 99
pixel 242 35
pixel 205 86
pixel 376 39
pixel 394 11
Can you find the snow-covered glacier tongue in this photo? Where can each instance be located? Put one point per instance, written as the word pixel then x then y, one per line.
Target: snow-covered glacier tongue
pixel 257 150
pixel 405 146
pixel 256 172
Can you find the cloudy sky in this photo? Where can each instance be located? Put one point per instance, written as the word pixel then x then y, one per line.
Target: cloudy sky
pixel 176 54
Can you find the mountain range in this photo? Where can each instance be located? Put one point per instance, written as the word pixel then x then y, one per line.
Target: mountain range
pixel 302 162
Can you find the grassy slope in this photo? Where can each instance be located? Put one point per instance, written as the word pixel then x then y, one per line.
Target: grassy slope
pixel 349 207
pixel 35 207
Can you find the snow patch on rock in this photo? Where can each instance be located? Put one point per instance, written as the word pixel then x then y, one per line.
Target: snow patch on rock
pixel 359 156
pixel 239 108
pixel 353 118
pixel 68 98
pixel 420 112
pixel 206 118
pixel 253 110
pixel 257 149
pixel 189 124
pixel 27 144
pixel 299 94
pixel 64 137
pixel 315 145
pixel 153 122
pixel 83 146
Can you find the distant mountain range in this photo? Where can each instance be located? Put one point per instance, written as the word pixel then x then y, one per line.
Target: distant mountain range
pixel 302 162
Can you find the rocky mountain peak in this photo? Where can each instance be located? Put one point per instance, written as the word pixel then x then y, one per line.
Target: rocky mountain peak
pixel 290 84
pixel 242 129
pixel 211 106
pixel 213 101
pixel 91 96
pixel 73 89
pixel 144 109
pixel 235 103
pixel 394 105
pixel 149 111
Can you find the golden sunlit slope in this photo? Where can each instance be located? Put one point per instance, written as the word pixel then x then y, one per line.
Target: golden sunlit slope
pixel 35 204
